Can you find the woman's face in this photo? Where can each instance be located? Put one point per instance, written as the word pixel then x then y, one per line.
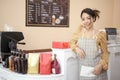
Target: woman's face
pixel 87 21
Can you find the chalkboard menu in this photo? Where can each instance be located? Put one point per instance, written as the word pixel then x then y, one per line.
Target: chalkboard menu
pixel 47 13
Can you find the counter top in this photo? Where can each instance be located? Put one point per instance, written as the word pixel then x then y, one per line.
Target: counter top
pixel 6 74
pixel 113 45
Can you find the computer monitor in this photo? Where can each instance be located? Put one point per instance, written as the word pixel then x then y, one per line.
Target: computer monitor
pixel 111 32
pixel 5 38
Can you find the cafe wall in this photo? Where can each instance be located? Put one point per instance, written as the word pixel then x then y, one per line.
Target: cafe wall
pixel 12 13
pixel 116 14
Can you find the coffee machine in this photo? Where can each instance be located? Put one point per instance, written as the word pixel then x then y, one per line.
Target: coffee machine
pixel 6 37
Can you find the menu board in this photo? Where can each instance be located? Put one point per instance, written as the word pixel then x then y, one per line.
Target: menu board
pixel 47 13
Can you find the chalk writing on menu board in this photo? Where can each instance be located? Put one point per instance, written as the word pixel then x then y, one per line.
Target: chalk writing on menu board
pixel 49 13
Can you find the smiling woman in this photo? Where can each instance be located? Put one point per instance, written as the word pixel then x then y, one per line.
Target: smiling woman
pixel 90 45
pixel 88 17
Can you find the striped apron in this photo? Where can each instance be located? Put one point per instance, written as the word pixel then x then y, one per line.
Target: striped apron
pixel 88 45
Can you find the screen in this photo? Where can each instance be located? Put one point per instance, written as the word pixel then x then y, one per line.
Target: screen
pixel 111 31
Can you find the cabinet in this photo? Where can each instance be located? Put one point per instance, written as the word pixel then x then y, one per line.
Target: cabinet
pixel 114 62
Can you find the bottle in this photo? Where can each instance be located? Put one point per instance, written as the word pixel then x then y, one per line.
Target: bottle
pixel 18 62
pixel 23 64
pixel 55 65
pixel 15 62
pixel 11 62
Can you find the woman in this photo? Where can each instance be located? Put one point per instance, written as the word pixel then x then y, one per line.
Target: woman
pixel 90 45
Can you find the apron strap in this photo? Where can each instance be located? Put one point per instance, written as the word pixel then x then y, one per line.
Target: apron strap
pixel 94 35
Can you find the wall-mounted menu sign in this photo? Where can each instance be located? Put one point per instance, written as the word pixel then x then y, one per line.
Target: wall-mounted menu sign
pixel 47 13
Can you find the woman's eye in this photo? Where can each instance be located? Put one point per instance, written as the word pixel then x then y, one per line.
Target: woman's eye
pixel 83 19
pixel 89 18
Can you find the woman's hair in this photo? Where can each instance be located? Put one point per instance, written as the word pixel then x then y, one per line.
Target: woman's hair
pixel 92 12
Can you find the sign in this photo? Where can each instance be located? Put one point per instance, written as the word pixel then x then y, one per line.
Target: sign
pixel 47 13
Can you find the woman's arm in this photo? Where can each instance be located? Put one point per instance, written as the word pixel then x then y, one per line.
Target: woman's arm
pixel 73 41
pixel 104 52
pixel 102 44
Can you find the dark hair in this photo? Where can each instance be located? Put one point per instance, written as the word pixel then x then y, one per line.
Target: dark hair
pixel 94 13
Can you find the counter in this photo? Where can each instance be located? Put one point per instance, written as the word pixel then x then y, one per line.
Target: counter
pixel 68 63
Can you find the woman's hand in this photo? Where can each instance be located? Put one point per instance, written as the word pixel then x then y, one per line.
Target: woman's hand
pixel 80 52
pixel 97 69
